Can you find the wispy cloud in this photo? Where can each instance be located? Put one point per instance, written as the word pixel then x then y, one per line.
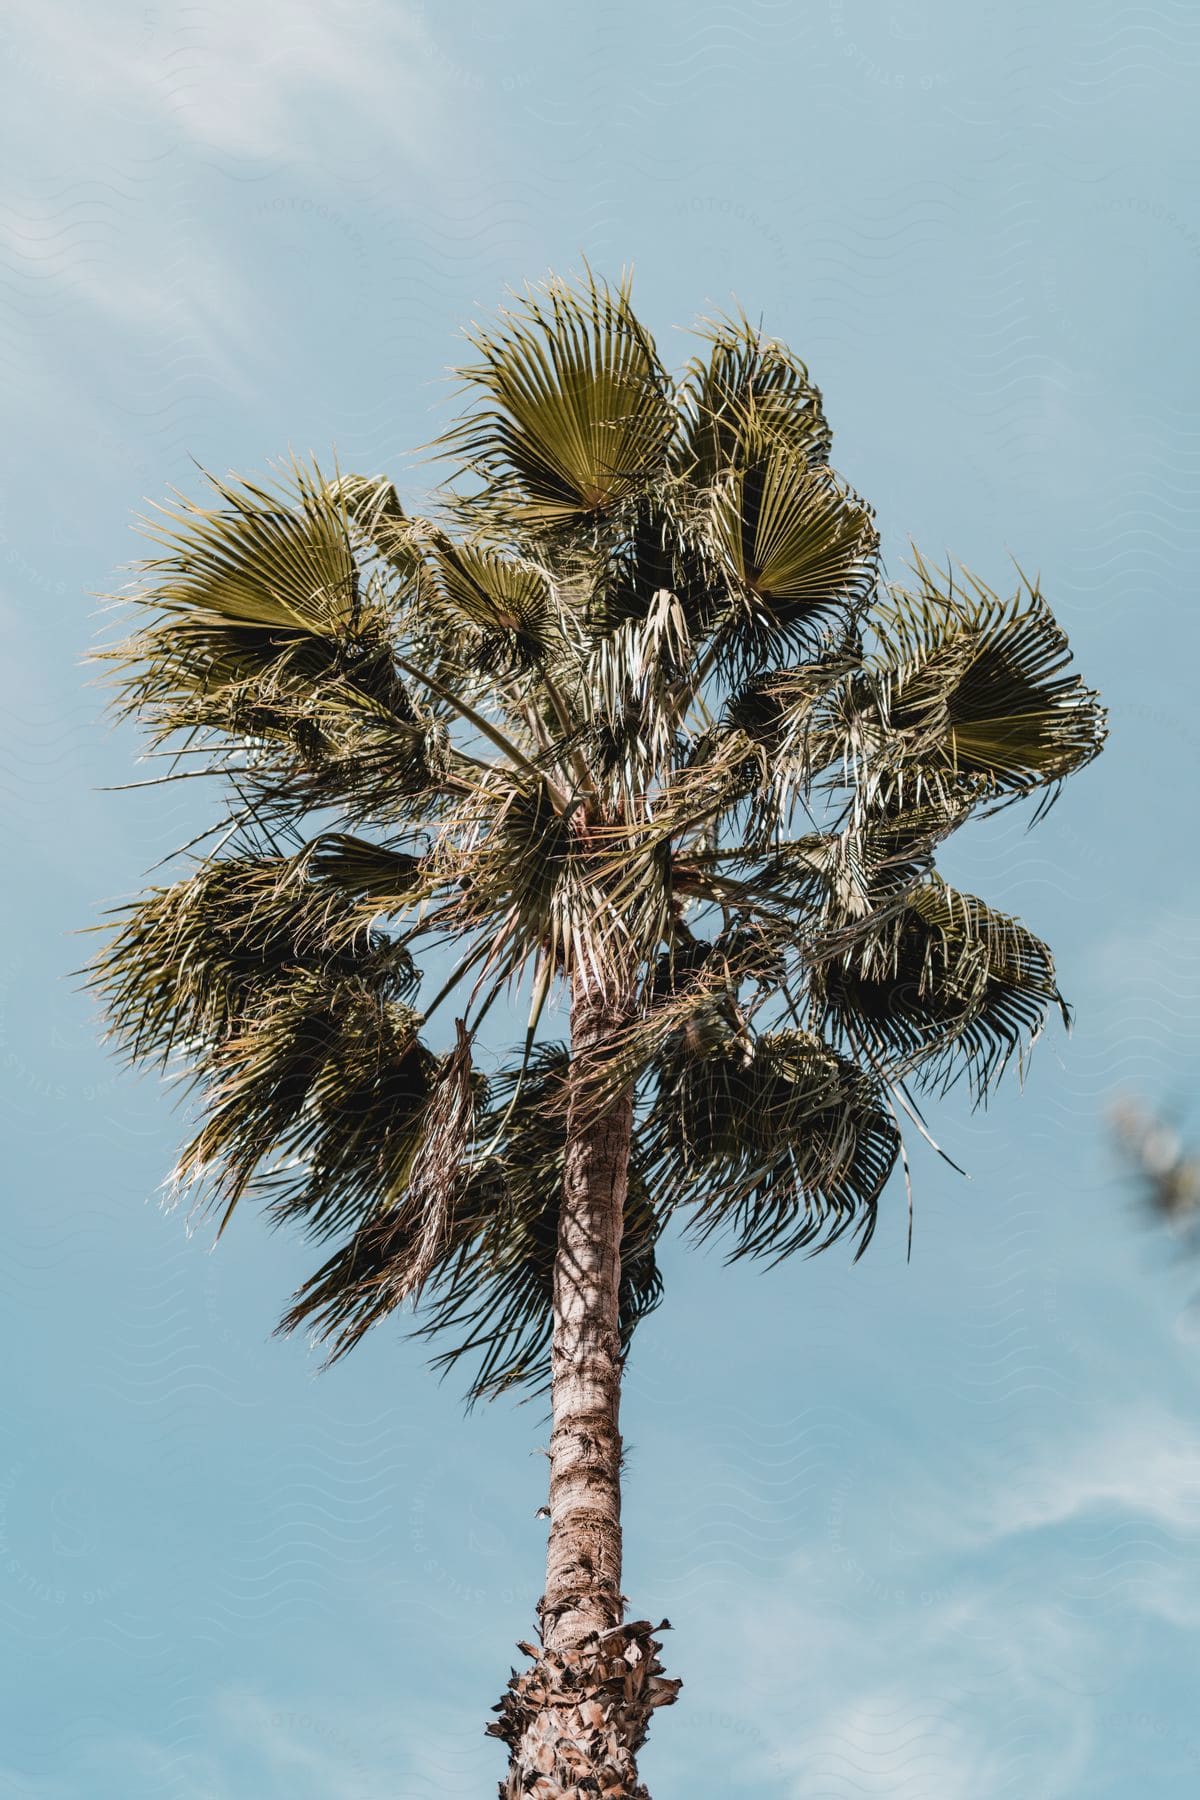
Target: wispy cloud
pixel 955 1636
pixel 1144 1465
pixel 275 79
pixel 804 1697
pixel 141 145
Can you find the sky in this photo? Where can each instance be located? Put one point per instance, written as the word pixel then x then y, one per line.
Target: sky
pixel 926 1530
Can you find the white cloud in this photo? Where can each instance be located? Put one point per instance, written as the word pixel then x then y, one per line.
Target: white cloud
pixel 273 79
pixel 1146 1465
pixel 935 1643
pixel 966 1699
pixel 144 147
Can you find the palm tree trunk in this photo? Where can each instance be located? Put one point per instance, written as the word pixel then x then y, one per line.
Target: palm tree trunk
pixel 583 1559
pixel 583 1710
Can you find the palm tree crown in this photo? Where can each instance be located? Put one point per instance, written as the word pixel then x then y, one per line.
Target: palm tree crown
pixel 629 711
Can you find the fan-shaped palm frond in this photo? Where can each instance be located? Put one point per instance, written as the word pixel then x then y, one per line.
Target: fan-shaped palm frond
pixel 187 962
pixel 577 414
pixel 491 1284
pixel 257 561
pixel 263 582
pixel 945 984
pixel 747 389
pixel 373 1115
pixel 504 607
pixel 263 640
pixel 797 542
pixel 774 1137
pixel 515 871
pixel 380 529
pixel 278 1082
pixel 387 875
pixel 969 692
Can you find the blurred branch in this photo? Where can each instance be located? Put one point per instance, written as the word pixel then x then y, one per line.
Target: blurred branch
pixel 1167 1172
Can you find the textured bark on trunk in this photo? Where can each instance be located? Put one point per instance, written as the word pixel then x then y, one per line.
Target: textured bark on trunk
pixel 575 1721
pixel 583 1560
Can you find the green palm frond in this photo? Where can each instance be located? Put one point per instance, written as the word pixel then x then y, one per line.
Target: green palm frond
pixel 378 524
pixel 748 388
pixel 386 875
pixel 514 868
pixel 491 1287
pixel 972 691
pixel 800 546
pixel 263 643
pixel 277 558
pixel 577 414
pixel 289 1094
pixel 263 583
pixel 185 964
pixel 944 985
pixel 376 1108
pixel 504 607
pixel 775 1138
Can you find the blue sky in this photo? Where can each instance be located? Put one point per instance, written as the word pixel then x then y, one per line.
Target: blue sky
pixel 926 1530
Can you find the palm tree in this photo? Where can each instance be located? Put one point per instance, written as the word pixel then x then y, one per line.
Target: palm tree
pixel 629 722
